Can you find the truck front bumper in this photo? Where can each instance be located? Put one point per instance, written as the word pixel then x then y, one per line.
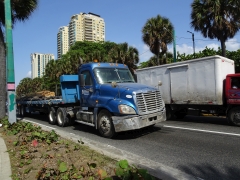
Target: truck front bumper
pixel 126 123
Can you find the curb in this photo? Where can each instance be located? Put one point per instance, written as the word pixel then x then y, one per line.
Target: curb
pixel 154 168
pixel 5 165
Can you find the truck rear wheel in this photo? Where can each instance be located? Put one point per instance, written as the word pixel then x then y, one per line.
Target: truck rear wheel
pixel 62 118
pixel 105 125
pixel 22 111
pixel 52 116
pixel 234 116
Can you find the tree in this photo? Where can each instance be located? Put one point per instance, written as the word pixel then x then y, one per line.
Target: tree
pixel 52 74
pixel 216 19
pixel 122 53
pixel 24 87
pixel 157 34
pixel 21 11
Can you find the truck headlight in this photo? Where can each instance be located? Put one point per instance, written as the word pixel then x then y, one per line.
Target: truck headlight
pixel 124 109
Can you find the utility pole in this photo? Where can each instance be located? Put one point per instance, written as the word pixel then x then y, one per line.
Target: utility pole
pixel 10 63
pixel 174 44
pixel 193 43
pixel 174 47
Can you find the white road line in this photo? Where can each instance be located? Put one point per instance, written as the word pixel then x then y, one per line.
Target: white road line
pixel 201 130
pixel 39 124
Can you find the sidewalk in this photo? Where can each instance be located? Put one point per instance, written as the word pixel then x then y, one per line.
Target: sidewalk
pixel 5 166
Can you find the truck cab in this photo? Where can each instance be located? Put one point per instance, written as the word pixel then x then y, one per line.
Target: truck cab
pixel 232 89
pixel 110 100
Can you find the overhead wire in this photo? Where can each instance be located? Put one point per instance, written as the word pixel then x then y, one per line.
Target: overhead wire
pixel 195 39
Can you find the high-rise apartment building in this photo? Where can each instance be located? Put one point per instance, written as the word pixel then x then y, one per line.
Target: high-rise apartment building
pixel 82 27
pixel 62 41
pixel 88 27
pixel 38 63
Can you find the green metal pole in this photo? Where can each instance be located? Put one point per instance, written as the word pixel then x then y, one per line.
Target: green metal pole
pixel 174 47
pixel 10 63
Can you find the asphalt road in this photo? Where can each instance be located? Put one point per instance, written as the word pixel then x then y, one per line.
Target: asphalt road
pixel 205 147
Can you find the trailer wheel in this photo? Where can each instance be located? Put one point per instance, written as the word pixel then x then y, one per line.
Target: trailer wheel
pixel 22 111
pixel 62 118
pixel 234 116
pixel 105 124
pixel 169 113
pixel 52 116
pixel 180 115
pixel 18 111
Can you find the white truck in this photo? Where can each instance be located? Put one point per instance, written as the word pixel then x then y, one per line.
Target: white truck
pixel 204 84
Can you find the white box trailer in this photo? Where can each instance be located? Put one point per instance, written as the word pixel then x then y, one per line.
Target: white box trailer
pixel 191 83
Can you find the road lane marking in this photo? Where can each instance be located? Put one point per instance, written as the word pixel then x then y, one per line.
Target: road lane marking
pixel 201 130
pixel 39 124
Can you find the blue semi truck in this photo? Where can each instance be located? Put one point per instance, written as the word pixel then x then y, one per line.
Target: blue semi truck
pixel 102 95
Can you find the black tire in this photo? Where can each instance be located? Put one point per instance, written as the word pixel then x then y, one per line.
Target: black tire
pixel 62 118
pixel 19 111
pixel 52 118
pixel 105 124
pixel 169 113
pixel 234 116
pixel 22 111
pixel 41 113
pixel 180 115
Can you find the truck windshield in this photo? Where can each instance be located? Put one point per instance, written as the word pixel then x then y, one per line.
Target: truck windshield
pixel 108 75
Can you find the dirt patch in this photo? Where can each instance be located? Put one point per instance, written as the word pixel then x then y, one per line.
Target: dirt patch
pixel 44 161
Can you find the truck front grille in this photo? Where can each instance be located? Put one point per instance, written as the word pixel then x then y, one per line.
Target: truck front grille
pixel 149 102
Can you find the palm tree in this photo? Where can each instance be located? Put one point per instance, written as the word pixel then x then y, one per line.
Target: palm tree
pixel 132 59
pixel 37 84
pixel 21 11
pixel 122 53
pixel 157 33
pixel 24 87
pixel 52 74
pixel 218 19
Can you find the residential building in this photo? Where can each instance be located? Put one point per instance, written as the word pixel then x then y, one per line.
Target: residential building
pixel 86 27
pixel 38 63
pixel 62 41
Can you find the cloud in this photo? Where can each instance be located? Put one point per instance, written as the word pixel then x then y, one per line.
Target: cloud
pixel 232 45
pixel 184 48
pixel 29 74
pixel 145 54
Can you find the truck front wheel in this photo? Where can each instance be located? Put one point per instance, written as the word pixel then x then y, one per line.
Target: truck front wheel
pixel 234 116
pixel 105 125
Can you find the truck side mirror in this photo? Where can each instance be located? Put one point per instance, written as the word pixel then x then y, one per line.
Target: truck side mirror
pixel 82 80
pixel 159 83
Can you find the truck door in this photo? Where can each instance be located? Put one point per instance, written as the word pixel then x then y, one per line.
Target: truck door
pixel 233 92
pixel 179 84
pixel 88 91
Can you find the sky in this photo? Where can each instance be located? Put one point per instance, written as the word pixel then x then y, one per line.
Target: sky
pixel 124 21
